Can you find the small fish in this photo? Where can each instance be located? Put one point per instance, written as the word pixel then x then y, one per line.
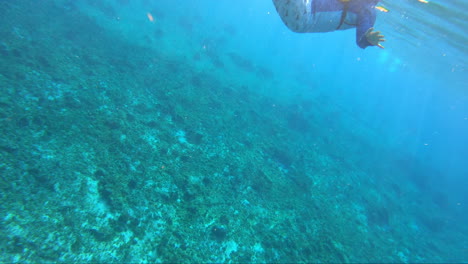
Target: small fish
pixel 383 9
pixel 423 1
pixel 150 17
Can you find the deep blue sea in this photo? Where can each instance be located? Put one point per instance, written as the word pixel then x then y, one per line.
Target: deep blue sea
pixel 206 131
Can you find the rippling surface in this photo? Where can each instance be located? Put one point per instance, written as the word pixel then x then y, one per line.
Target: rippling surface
pixel 438 28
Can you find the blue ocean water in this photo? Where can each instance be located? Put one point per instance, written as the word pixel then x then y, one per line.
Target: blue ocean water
pixel 206 131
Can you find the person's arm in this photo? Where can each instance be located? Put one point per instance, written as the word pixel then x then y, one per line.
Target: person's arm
pixel 365 36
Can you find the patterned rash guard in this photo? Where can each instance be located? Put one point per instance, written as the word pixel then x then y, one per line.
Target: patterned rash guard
pixel 328 15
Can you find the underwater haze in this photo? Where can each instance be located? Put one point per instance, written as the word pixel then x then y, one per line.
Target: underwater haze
pixel 206 131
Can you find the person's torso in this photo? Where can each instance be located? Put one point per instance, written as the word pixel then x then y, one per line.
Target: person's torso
pixel 353 6
pixel 317 15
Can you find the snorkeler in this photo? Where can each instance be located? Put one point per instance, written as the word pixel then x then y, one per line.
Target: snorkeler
pixel 329 15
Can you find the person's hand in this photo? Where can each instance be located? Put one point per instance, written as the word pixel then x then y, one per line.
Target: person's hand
pixel 374 37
